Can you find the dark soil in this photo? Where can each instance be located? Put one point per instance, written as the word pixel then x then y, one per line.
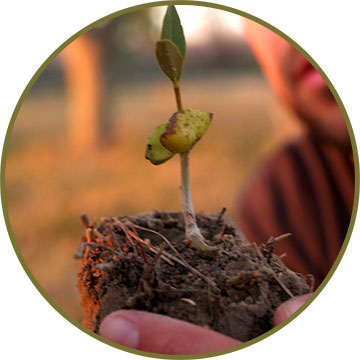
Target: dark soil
pixel 142 262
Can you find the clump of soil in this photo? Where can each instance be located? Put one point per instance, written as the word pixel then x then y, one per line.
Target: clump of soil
pixel 142 262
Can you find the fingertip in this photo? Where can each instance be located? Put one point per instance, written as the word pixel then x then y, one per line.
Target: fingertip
pixel 160 334
pixel 289 307
pixel 119 330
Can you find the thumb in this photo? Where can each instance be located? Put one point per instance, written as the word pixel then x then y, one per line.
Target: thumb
pixel 289 307
pixel 161 334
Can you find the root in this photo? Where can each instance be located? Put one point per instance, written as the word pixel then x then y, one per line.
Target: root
pixel 273 273
pixel 80 253
pixel 135 242
pixel 178 259
pixel 221 215
pixel 198 242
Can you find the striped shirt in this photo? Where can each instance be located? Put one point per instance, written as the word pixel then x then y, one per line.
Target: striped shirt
pixel 307 189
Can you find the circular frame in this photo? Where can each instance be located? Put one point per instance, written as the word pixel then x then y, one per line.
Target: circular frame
pixel 145 6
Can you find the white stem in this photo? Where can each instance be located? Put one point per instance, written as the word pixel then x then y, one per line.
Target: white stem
pixel 192 231
pixel 186 200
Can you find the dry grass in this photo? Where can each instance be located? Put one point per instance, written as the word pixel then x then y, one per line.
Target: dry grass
pixel 48 185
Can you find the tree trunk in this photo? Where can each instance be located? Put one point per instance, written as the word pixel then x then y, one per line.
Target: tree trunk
pixel 82 64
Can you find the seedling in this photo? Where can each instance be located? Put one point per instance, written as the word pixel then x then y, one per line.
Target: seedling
pixel 183 129
pixel 126 265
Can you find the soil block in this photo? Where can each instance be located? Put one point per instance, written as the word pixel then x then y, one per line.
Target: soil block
pixel 143 262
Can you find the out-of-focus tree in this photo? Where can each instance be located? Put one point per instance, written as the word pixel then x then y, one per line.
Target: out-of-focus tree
pixel 84 89
pixel 85 62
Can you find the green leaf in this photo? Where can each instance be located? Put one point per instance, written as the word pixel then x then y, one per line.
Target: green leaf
pixel 155 152
pixel 172 29
pixel 169 58
pixel 185 129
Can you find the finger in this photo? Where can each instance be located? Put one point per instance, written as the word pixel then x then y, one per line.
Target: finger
pixel 288 308
pixel 161 334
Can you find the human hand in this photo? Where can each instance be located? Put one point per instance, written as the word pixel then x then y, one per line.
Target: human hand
pixel 161 334
pixel 164 335
pixel 288 308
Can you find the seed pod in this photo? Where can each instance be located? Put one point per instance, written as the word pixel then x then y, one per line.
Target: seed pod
pixel 184 129
pixel 155 152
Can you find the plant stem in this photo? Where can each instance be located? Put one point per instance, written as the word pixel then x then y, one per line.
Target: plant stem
pixel 192 232
pixel 178 96
pixel 186 200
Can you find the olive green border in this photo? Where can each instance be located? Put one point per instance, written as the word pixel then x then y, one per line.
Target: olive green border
pixel 91 26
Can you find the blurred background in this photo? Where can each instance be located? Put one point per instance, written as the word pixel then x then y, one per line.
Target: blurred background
pixel 78 142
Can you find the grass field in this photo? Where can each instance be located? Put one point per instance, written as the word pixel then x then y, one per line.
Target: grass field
pixel 48 186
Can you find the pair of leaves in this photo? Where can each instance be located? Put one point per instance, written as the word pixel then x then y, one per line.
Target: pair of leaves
pixel 182 131
pixel 185 128
pixel 170 50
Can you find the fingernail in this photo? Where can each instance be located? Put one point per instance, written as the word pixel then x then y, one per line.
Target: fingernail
pixel 293 305
pixel 117 329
